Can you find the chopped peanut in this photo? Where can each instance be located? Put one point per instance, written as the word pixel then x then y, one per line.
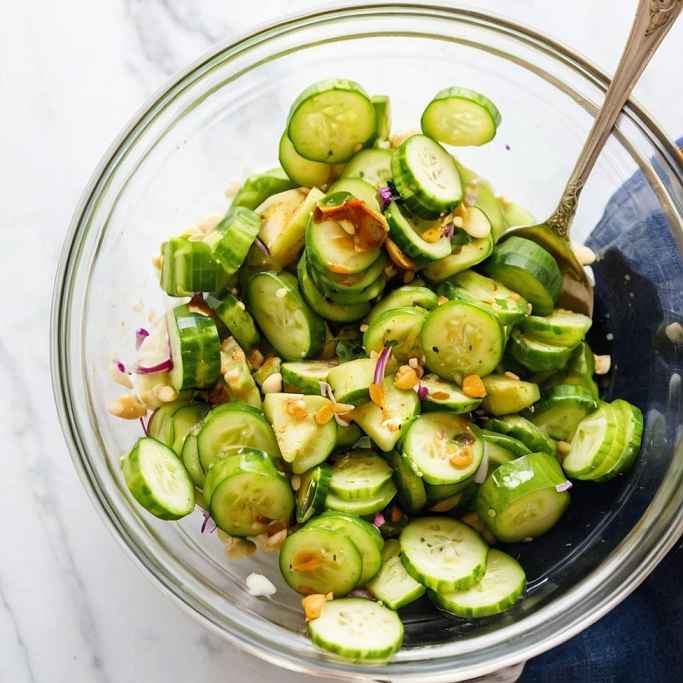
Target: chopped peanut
pixel 158 261
pixel 255 359
pixel 313 605
pixel 296 407
pixel 398 257
pixel 342 408
pixel 602 364
pixel 272 384
pixel 473 387
pixel 377 394
pixel 414 363
pixel 324 414
pixel 364 327
pixel 433 234
pixel 462 459
pixel 584 255
pixel 405 377
pixel 295 481
pixel 239 548
pixel 127 407
pixel 393 424
pixel 398 138
pixel 511 375
pixel 442 300
pixel 306 561
pixel 276 540
pixel 165 393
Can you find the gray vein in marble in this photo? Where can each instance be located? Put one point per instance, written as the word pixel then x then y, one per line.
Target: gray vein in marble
pixel 21 643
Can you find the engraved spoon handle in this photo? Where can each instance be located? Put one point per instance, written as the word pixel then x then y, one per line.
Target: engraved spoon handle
pixel 652 22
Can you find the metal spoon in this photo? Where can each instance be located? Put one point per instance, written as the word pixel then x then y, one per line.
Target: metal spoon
pixel 652 22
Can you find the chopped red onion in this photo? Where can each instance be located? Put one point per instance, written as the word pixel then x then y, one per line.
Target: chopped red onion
pixel 360 593
pixel 140 335
pixel 483 470
pixel 208 525
pixel 164 366
pixel 120 366
pixel 564 486
pixel 379 520
pixel 422 391
pixel 385 196
pixel 381 365
pixel 262 246
pixel 144 426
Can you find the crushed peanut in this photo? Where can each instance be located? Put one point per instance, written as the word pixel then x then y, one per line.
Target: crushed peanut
pixel 343 408
pixel 398 257
pixel 397 139
pixel 584 255
pixel 393 424
pixel 405 377
pixel 602 364
pixel 295 482
pixel 442 300
pixel 128 407
pixel 313 605
pixel 165 393
pixel 272 384
pixel 473 386
pixel 158 261
pixel 364 327
pixel 239 548
pixel 511 375
pixel 255 359
pixel 324 414
pixel 296 407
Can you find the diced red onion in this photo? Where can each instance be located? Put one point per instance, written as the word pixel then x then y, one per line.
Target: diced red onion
pixel 164 366
pixel 379 520
pixel 483 469
pixel 422 391
pixel 208 525
pixel 140 335
pixel 564 486
pixel 385 196
pixel 360 593
pixel 381 365
pixel 262 246
pixel 144 426
pixel 449 229
pixel 120 366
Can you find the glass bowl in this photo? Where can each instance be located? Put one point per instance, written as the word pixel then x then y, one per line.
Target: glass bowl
pixel 221 119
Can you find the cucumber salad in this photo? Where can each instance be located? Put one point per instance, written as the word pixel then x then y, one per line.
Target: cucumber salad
pixel 357 371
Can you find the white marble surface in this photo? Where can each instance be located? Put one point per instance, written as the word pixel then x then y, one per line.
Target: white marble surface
pixel 72 605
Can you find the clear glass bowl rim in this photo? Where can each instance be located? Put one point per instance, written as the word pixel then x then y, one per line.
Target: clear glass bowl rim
pixel 599 592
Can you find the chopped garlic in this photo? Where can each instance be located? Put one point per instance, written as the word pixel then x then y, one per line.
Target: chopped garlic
pixel 259 586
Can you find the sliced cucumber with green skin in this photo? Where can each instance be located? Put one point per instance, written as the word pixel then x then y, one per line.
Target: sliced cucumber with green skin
pixel 439 492
pixel 579 370
pixel 190 458
pixel 232 425
pixel 371 165
pixel 406 296
pixel 561 327
pixel 362 506
pixel 393 586
pixel 330 120
pixel 633 419
pixel 382 105
pixel 461 117
pixel 302 441
pixel 316 560
pixel 426 177
pixel 443 554
pixel 348 284
pixel 462 257
pixel 516 215
pixel 347 436
pixel 362 534
pixel 461 339
pixel 286 320
pixel 384 425
pixel 271 366
pixel 538 356
pixel 234 315
pixel 561 410
pixel 232 238
pixel 301 170
pixel 306 376
pixel 502 447
pixel 188 267
pixel 158 480
pixel 237 374
pixel 160 425
pixel 357 629
pixel 362 297
pixel 360 189
pixel 351 381
pixel 411 489
pixel 485 199
pixel 310 498
pixel 399 328
pixel 257 188
pixel 409 240
pixel 529 270
pixel 184 419
pixel 509 306
pixel 442 395
pixel 195 349
pixel 519 500
pixel 500 588
pixel 359 474
pixel 523 430
pixel 246 493
pixel 431 442
pixel 505 395
pixel 599 438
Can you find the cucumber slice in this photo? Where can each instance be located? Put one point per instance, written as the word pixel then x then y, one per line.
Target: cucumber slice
pixel 464 255
pixel 371 165
pixel 330 120
pixel 484 199
pixel 271 366
pixel 362 297
pixel 310 498
pixel 443 554
pixel 293 329
pixel 563 328
pixel 188 267
pixel 505 395
pixel 351 381
pixel 411 241
pixel 426 177
pixel 382 105
pixel 529 270
pixel 306 377
pixel 347 436
pixel 433 440
pixel 359 474
pixel 516 215
pixel 523 430
pixel 462 339
pixel 599 438
pixel 362 534
pixel 579 371
pixel 362 506
pixel 301 170
pixel 439 492
pixel 406 296
pixel 234 315
pixel 246 493
pixel 393 586
pixel 158 480
pixel 501 586
pixel 328 309
pixel 384 425
pixel 399 328
pixel 357 629
pixel 560 412
pixel 190 458
pixel 360 189
pixel 237 375
pixel 184 419
pixel 257 188
pixel 538 356
pixel 461 117
pixel 356 283
pixel 315 560
pixel 509 306
pixel 160 425
pixel 446 396
pixel 501 447
pixel 232 238
pixel 234 425
pixel 411 489
pixel 195 349
pixel 519 500
pixel 302 441
pixel 632 418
